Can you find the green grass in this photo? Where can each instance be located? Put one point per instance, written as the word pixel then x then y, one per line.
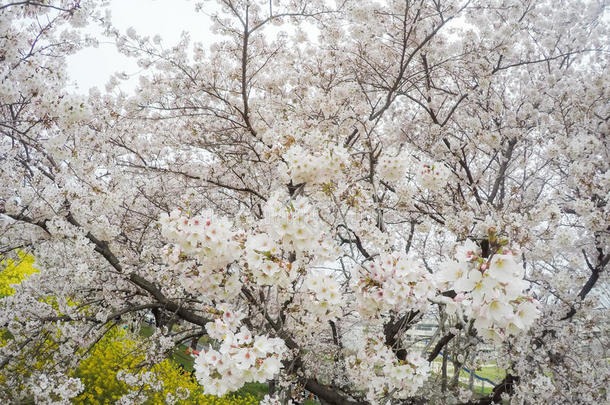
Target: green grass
pixel 146 330
pixel 477 388
pixel 258 390
pixel 185 360
pixel 494 373
pixel 490 372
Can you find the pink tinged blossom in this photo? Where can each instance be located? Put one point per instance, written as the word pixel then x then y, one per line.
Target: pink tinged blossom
pixel 245 358
pixel 465 251
pixel 459 297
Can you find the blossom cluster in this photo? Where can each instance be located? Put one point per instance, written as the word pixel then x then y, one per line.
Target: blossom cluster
pixel 392 168
pixel 207 237
pixel 295 225
pixel 289 237
pixel 432 176
pixel 263 257
pixel 376 369
pixel 325 296
pixel 65 388
pixel 203 246
pixel 241 358
pixel 315 168
pixel 392 282
pixel 491 291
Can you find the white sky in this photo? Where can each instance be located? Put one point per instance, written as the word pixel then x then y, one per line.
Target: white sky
pixel 93 67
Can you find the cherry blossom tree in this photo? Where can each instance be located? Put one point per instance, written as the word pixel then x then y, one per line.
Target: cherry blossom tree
pixel 310 188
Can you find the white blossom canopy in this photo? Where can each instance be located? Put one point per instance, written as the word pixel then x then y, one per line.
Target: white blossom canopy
pixel 307 194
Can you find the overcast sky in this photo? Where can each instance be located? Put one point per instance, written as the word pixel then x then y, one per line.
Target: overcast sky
pixel 168 18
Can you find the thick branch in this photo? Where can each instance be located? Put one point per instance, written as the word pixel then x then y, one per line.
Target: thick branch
pixel 103 249
pixel 101 246
pixel 391 332
pixel 439 346
pixel 507 385
pixel 165 302
pixel 506 155
pixel 327 394
pixel 602 261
